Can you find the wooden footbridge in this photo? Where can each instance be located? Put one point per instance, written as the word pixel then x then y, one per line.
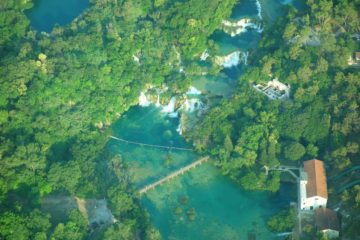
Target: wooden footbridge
pixel 174 174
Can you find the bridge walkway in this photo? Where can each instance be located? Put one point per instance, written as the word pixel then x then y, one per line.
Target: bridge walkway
pixel 174 174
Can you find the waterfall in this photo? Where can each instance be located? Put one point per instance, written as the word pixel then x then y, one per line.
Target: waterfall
pixel 258 6
pixel 244 57
pixel 158 101
pixel 204 55
pixel 193 91
pixel 170 108
pixel 143 101
pixel 192 105
pixel 195 104
pixel 259 28
pixel 174 114
pixel 186 105
pixel 238 27
pixel 179 129
pixel 228 61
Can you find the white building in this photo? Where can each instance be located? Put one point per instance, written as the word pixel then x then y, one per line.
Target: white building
pixel 327 222
pixel 313 188
pixel 354 59
pixel 274 89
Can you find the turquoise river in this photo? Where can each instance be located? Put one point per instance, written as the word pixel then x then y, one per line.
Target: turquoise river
pixel 202 203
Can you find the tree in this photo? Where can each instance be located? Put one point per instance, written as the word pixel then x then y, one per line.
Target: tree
pixel 13 227
pixel 294 151
pixel 289 31
pixel 125 230
pixel 75 228
pixel 121 203
pixel 284 221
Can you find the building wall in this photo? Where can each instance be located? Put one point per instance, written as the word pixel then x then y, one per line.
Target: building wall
pixel 302 194
pixel 313 203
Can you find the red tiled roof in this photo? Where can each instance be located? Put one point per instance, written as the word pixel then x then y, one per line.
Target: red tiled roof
pixel 326 219
pixel 316 185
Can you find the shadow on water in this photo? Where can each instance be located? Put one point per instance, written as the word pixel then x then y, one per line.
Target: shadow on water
pixel 47 13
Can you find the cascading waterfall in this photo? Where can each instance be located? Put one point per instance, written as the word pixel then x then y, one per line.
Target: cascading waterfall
pixel 143 101
pixel 179 129
pixel 193 91
pixel 192 105
pixel 158 101
pixel 204 55
pixel 258 6
pixel 259 28
pixel 238 27
pixel 170 108
pixel 244 57
pixel 228 61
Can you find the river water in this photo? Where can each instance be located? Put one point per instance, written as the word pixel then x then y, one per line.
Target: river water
pixel 47 13
pixel 202 203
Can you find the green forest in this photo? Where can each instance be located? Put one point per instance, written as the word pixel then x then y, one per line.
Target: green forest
pixel 61 91
pixel 320 120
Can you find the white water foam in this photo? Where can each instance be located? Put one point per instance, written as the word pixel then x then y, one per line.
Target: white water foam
pixel 204 55
pixel 240 26
pixel 193 91
pixel 179 129
pixel 143 101
pixel 244 58
pixel 157 104
pixel 259 8
pixel 228 61
pixel 170 108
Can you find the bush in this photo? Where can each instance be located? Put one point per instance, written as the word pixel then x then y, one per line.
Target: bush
pixel 294 151
pixel 284 221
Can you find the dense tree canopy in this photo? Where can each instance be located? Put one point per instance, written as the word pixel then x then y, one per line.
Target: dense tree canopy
pixel 59 90
pixel 309 50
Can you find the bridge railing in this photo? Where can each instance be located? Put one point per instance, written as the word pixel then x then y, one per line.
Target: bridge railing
pixel 173 175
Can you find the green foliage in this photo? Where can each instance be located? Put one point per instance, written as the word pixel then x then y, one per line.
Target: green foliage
pixel 119 231
pixel 35 226
pixel 75 228
pixel 309 51
pixel 60 93
pixel 294 151
pixel 120 201
pixel 283 221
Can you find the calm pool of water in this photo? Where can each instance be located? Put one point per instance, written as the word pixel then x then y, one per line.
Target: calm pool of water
pixel 47 13
pixel 201 204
